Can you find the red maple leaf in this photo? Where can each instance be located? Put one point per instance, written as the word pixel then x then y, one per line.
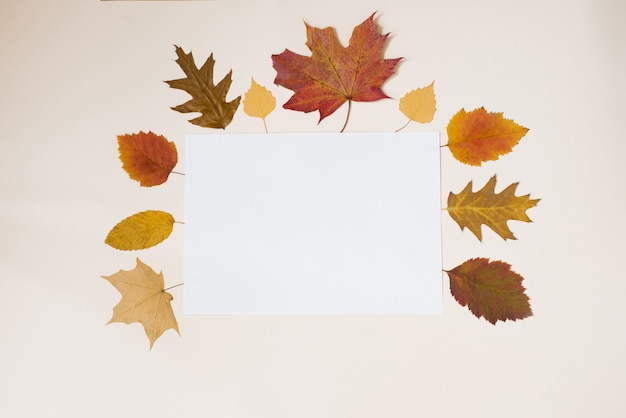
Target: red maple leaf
pixel 334 74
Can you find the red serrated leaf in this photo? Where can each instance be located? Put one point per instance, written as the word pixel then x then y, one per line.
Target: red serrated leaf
pixel 490 289
pixel 334 74
pixel 147 157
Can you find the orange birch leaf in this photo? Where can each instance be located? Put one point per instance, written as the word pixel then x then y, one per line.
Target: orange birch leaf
pixel 335 74
pixel 472 209
pixel 490 289
pixel 144 300
pixel 147 157
pixel 480 136
pixel 141 230
pixel 419 105
pixel 206 97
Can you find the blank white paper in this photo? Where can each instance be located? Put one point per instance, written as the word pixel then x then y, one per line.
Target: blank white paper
pixel 313 224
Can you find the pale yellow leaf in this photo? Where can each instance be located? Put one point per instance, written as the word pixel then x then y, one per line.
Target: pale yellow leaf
pixel 258 101
pixel 419 105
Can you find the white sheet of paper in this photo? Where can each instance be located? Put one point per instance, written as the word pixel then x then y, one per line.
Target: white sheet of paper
pixel 313 224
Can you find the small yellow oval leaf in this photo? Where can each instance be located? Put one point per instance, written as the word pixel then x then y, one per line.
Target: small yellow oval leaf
pixel 141 230
pixel 258 101
pixel 419 105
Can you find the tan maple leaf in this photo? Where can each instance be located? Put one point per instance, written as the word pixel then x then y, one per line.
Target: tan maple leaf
pixel 472 209
pixel 144 300
pixel 207 98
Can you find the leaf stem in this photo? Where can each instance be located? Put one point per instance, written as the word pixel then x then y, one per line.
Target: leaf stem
pixel 404 126
pixel 348 116
pixel 179 222
pixel 265 126
pixel 171 287
pixel 177 172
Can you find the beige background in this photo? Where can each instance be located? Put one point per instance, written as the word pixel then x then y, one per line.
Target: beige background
pixel 75 73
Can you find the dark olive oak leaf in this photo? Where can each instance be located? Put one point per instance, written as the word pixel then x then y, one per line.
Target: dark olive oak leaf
pixel 207 98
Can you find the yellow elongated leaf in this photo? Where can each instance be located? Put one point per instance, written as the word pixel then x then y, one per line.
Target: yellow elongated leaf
pixel 258 101
pixel 141 230
pixel 419 105
pixel 472 209
pixel 144 300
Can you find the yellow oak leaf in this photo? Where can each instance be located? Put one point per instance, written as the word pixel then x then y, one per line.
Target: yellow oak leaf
pixel 144 300
pixel 258 102
pixel 472 209
pixel 419 105
pixel 141 230
pixel 478 136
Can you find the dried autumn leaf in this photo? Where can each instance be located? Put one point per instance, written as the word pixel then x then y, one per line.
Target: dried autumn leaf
pixel 141 230
pixel 334 74
pixel 419 105
pixel 490 289
pixel 207 98
pixel 485 207
pixel 480 136
pixel 258 102
pixel 144 300
pixel 147 157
